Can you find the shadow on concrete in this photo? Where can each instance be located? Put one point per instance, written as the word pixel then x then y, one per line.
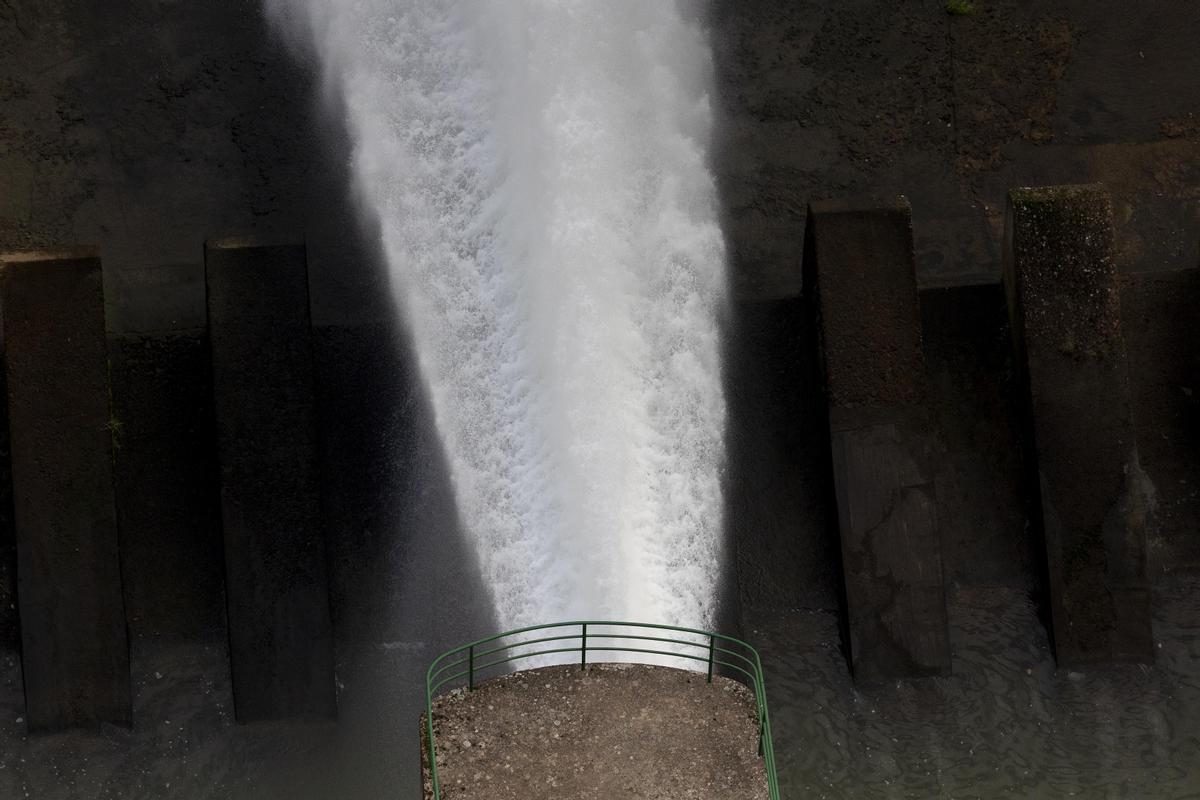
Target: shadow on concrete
pixel 404 581
pixel 783 552
pixel 153 128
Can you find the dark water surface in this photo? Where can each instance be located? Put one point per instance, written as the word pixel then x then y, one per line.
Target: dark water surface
pixel 1005 724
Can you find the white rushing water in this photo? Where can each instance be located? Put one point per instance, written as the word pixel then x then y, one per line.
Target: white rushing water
pixel 538 170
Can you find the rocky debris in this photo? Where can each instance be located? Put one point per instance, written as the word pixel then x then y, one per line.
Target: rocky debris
pixel 612 730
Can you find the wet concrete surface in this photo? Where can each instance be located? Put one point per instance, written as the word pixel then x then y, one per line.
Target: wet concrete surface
pixel 828 100
pixel 146 126
pixel 1005 724
pixel 834 99
pixel 185 744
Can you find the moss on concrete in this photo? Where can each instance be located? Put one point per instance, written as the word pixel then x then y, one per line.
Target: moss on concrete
pixel 1069 292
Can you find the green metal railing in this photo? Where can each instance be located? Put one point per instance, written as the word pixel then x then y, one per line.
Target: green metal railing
pixel 712 649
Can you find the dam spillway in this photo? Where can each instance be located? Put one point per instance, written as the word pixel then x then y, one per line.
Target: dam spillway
pixel 145 128
pixel 538 174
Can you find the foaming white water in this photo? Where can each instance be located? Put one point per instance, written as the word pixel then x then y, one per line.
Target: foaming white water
pixel 538 172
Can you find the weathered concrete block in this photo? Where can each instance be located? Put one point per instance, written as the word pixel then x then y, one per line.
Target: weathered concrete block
pixel 1064 305
pixel 859 277
pixel 75 652
pixel 277 589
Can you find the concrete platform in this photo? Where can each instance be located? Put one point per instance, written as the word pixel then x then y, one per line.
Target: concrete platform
pixel 612 730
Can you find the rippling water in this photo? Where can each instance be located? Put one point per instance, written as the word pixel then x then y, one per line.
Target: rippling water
pixel 1006 724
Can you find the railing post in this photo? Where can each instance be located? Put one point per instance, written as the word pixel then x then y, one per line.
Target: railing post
pixel 711 644
pixel 471 669
pixel 760 736
pixel 583 659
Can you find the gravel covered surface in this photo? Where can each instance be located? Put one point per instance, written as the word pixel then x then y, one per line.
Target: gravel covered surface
pixel 613 730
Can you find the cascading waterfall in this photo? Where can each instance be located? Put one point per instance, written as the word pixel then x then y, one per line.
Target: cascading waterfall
pixel 538 169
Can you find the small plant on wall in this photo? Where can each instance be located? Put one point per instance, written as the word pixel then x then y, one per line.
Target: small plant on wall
pixel 115 428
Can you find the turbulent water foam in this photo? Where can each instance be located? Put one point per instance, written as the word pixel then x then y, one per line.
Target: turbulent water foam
pixel 538 172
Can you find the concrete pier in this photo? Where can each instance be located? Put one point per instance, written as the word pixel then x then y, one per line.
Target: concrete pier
pixel 75 651
pixel 277 588
pixel 1090 491
pixel 859 279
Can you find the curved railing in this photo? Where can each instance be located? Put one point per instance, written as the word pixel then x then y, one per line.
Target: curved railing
pixel 711 649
